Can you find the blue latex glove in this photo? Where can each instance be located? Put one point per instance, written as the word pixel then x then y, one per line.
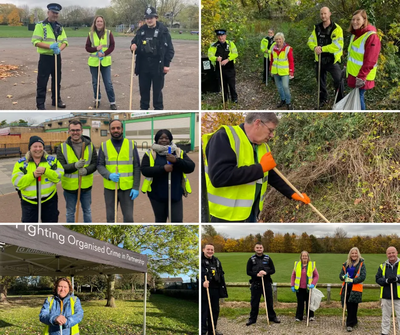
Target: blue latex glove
pixel 311 286
pixel 114 177
pixel 54 46
pixel 345 276
pixel 101 58
pixel 293 290
pixel 134 194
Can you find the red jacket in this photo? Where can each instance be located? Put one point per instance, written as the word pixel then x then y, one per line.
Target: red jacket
pixel 371 55
pixel 290 57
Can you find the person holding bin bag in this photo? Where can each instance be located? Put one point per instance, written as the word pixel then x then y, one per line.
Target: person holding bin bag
pixel 352 275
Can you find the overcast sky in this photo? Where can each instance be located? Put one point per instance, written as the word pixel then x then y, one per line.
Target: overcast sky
pixel 31 116
pixel 63 3
pixel 321 230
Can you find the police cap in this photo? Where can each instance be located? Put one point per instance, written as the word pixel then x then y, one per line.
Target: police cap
pixel 54 7
pixel 150 12
pixel 220 32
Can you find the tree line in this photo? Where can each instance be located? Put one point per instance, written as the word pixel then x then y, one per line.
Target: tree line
pixel 338 242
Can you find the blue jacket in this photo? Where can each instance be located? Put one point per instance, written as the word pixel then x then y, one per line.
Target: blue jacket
pixel 47 315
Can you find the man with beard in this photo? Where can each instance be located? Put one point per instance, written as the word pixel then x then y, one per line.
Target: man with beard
pixel 119 165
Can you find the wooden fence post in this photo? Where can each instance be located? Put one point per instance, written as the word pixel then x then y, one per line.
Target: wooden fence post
pixel 275 292
pixel 328 293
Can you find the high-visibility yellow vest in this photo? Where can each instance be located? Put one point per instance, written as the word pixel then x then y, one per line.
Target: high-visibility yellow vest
pixel 74 329
pixel 122 160
pixel 355 58
pixel 44 33
pixel 233 53
pixel 234 203
pixel 298 268
pixel 146 187
pixel 70 181
pixel 356 287
pixel 383 268
pixel 24 180
pixel 280 63
pixel 93 60
pixel 264 47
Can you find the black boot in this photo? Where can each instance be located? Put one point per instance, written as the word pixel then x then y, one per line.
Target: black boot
pixel 289 106
pixel 281 104
pixel 60 103
pixel 41 107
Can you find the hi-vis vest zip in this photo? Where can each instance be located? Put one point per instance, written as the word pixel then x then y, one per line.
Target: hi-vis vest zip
pixel 123 160
pixel 234 203
pixel 93 60
pixel 383 268
pixel 70 181
pixel 280 63
pixel 298 268
pixel 74 329
pixel 356 287
pixel 146 187
pixel 356 56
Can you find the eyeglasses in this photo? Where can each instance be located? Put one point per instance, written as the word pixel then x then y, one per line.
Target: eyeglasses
pixel 272 131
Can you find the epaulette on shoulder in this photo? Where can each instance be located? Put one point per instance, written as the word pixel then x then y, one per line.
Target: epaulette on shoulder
pixel 23 159
pixel 50 158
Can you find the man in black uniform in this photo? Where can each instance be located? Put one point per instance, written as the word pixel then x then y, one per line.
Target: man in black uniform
pixel 50 39
pixel 260 265
pixel 154 53
pixel 266 44
pixel 212 269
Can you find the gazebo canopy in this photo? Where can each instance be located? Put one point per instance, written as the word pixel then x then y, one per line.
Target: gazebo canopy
pixel 42 250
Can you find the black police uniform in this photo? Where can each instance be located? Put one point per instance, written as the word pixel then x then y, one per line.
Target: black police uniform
pixel 211 268
pixel 254 266
pixel 327 63
pixel 266 59
pixel 154 52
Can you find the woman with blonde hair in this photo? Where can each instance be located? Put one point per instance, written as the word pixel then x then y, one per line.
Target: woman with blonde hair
pixel 100 44
pixel 353 274
pixel 304 277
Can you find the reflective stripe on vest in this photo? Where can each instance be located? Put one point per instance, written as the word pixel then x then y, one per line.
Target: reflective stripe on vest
pixel 70 181
pixel 383 268
pixel 280 63
pixel 93 60
pixel 146 187
pixel 356 53
pixel 298 266
pixel 74 329
pixel 123 160
pixel 356 287
pixel 234 203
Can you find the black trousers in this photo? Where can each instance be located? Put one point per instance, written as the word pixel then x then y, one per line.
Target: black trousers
pixel 229 79
pixel 145 81
pixel 256 293
pixel 302 296
pixel 336 72
pixel 352 309
pixel 125 202
pixel 160 210
pixel 49 211
pixel 206 325
pixel 266 69
pixel 46 67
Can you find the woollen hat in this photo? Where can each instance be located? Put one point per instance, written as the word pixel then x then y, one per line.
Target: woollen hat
pixel 35 139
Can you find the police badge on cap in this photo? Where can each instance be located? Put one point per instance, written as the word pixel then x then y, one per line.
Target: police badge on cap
pixel 220 32
pixel 150 12
pixel 54 7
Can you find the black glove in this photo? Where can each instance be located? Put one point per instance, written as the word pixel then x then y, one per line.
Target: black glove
pixel 391 279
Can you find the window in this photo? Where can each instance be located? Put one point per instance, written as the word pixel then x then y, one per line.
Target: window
pixel 103 132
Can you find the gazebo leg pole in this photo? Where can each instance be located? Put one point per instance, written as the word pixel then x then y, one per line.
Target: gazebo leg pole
pixel 144 303
pixel 72 282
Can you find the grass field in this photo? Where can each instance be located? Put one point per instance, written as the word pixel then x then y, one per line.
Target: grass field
pixel 328 266
pixel 165 316
pixel 8 31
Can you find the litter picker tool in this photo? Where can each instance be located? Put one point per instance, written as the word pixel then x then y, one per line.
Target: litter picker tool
pixel 56 79
pixel 319 77
pixel 394 318
pixel 39 198
pixel 222 85
pixel 132 72
pixel 266 70
pixel 79 188
pixel 169 190
pixel 116 200
pixel 344 304
pixel 61 314
pixel 308 306
pixel 98 85
pixel 265 299
pixel 209 305
pixel 298 192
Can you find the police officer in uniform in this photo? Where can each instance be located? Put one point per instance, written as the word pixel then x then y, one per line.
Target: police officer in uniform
pixel 212 268
pixel 260 265
pixel 327 40
pixel 154 52
pixel 50 39
pixel 266 43
pixel 225 52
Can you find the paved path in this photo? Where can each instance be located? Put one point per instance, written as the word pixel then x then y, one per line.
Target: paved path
pixel 10 208
pixel 181 91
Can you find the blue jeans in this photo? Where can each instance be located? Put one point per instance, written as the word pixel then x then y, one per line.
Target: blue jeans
pixel 86 201
pixel 282 84
pixel 362 92
pixel 106 74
